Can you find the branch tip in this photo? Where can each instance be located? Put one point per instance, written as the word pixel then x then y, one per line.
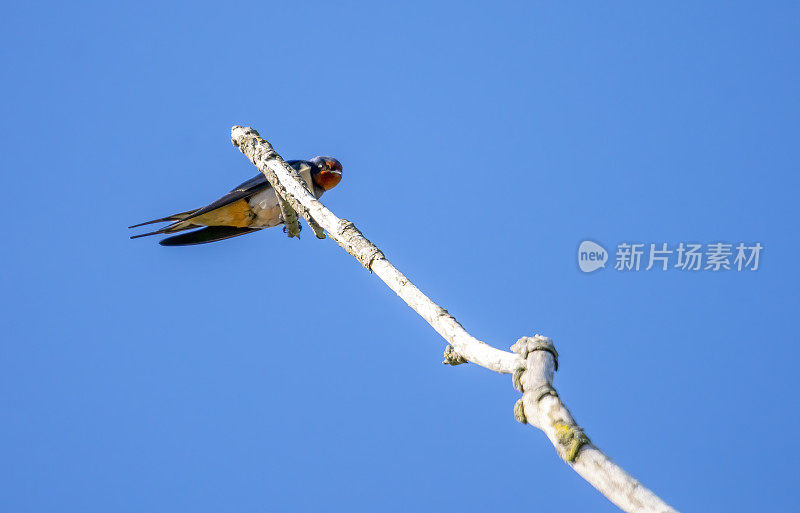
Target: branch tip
pixel 239 133
pixel 289 216
pixel 319 232
pixel 519 411
pixel 451 357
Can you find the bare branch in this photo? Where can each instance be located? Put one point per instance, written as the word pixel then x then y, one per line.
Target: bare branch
pixel 542 407
pixel 289 186
pixel 532 364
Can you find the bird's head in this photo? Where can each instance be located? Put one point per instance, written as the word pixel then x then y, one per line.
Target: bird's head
pixel 326 172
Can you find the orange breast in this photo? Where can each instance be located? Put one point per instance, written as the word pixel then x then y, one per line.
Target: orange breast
pixel 238 214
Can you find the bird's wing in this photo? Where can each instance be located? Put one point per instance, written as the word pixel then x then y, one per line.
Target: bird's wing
pixel 244 190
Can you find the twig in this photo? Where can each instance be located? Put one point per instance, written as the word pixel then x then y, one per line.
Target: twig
pixel 532 364
pixel 289 217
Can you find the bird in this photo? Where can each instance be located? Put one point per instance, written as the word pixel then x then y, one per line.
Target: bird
pixel 249 207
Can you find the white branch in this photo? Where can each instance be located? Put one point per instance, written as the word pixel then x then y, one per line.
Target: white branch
pixel 542 407
pixel 532 364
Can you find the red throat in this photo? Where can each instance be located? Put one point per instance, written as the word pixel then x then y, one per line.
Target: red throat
pixel 327 179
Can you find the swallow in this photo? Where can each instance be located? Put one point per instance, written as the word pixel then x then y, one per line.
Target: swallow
pixel 249 207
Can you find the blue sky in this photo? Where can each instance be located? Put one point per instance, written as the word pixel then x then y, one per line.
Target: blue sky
pixel 481 144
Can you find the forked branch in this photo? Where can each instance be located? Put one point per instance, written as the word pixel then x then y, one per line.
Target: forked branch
pixel 532 364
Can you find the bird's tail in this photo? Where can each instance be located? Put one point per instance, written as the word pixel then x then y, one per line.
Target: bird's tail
pixel 175 226
pixel 173 217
